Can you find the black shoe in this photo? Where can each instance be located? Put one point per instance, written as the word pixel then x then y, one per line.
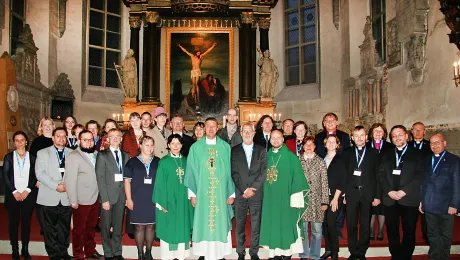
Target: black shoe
pixel 67 257
pixel 97 229
pixel 340 235
pixel 303 258
pixel 335 256
pixel 25 253
pixel 95 256
pixel 326 255
pixel 371 237
pixel 380 237
pixel 352 257
pixel 286 257
pixel 362 257
pixel 255 257
pixel 15 253
pixel 140 255
pixel 118 257
pixel 148 254
pixel 240 257
pixel 201 258
pixel 131 235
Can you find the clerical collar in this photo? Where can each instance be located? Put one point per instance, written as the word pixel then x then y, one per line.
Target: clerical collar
pixel 211 141
pixel 359 148
pixel 401 148
pixel 418 142
pixel 175 156
pixel 276 150
pixel 332 132
pixel 59 150
pixel 437 154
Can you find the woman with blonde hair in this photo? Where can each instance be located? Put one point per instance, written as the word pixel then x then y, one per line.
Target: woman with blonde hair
pixel 44 132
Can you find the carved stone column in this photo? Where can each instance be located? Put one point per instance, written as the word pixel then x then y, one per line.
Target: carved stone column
pixel 247 42
pixel 151 69
pixel 135 26
pixel 264 26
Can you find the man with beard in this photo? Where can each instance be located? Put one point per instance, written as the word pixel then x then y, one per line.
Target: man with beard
pixel 230 133
pixel 283 201
pixel 82 189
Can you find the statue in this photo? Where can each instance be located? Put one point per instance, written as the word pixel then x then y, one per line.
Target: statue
pixel 128 77
pixel 195 73
pixel 367 31
pixel 268 74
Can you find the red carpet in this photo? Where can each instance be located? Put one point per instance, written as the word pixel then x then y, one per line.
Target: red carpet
pixel 35 236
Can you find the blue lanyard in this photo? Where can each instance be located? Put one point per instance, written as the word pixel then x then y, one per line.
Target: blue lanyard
pixel 358 160
pixel 118 162
pixel 71 144
pixel 147 166
pixel 432 161
pixel 63 156
pixel 421 145
pixel 381 144
pixel 398 159
pixel 19 161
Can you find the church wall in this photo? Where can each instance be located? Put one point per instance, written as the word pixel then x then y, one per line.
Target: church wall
pixel 310 111
pixel 359 10
pixel 5 32
pixel 435 100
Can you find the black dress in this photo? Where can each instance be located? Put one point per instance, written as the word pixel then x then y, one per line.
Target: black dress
pixel 39 143
pixel 141 193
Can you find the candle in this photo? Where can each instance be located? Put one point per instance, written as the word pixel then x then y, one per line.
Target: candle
pixel 114 116
pixel 250 117
pixel 455 69
pixel 118 117
pixel 259 116
pixel 274 116
pixel 271 115
pixel 279 117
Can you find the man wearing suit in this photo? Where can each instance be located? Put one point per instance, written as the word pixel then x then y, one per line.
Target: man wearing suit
pixel 440 197
pixel 330 123
pixel 401 173
pixel 423 146
pixel 361 165
pixel 159 133
pixel 263 130
pixel 52 196
pixel 81 184
pixel 109 172
pixel 230 133
pixel 249 166
pixel 177 126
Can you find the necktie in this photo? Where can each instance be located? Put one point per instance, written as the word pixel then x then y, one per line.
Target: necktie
pixel 118 160
pixel 266 141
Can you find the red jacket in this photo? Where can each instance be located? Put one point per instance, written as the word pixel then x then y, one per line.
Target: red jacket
pixel 292 145
pixel 130 144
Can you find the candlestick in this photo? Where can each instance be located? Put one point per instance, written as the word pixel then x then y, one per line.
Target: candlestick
pixel 118 117
pixel 455 69
pixel 279 117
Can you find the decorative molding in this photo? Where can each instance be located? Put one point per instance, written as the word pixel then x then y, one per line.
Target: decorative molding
pixel 199 23
pixel 394 53
pixel 199 7
pixel 62 16
pixel 336 13
pixel 415 56
pixel 151 17
pixel 25 58
pixel 264 22
pixel 247 17
pixel 134 21
pixel 62 87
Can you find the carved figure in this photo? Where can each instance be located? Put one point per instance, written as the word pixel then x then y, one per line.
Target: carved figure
pixel 129 74
pixel 268 74
pixel 368 28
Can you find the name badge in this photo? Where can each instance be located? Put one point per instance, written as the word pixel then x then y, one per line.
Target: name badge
pixel 397 172
pixel 147 180
pixel 118 177
pixel 357 173
pixel 61 170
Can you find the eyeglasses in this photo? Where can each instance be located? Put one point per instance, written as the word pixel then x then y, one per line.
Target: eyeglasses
pixel 398 136
pixel 88 140
pixel 435 143
pixel 69 122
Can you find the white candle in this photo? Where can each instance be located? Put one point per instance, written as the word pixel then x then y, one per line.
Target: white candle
pixel 114 116
pixel 118 117
pixel 455 69
pixel 279 117
pixel 259 116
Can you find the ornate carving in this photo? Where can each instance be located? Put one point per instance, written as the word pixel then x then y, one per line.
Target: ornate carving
pixel 264 22
pixel 12 98
pixel 151 17
pixel 62 16
pixel 62 87
pixel 369 56
pixel 415 56
pixel 196 22
pixel 25 58
pixel 451 10
pixel 393 44
pixel 202 6
pixel 134 21
pixel 336 13
pixel 247 17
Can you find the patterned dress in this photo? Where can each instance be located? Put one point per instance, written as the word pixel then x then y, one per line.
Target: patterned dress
pixel 315 171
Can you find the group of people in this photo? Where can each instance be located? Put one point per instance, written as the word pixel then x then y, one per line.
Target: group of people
pixel 182 188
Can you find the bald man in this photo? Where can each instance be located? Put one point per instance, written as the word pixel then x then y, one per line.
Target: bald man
pixel 440 197
pixel 230 133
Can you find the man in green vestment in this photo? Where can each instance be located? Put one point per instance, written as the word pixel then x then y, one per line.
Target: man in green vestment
pixel 283 202
pixel 211 191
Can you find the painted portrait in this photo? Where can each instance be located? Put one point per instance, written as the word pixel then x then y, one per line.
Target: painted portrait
pixel 200 73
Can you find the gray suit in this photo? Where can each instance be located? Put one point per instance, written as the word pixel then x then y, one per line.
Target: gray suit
pixel 114 193
pixel 80 178
pixel 47 172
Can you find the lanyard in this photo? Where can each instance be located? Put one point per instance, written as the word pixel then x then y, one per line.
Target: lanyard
pixel 381 145
pixel 147 166
pixel 19 162
pixel 59 158
pixel 118 161
pixel 421 145
pixel 398 159
pixel 71 144
pixel 432 161
pixel 358 160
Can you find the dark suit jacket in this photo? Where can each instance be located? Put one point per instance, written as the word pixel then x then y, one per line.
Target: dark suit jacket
pixel 319 142
pixel 236 138
pixel 259 139
pixel 253 176
pixel 188 141
pixel 106 167
pixel 412 174
pixel 425 150
pixel 441 190
pixel 387 146
pixel 8 176
pixel 369 168
pixel 337 175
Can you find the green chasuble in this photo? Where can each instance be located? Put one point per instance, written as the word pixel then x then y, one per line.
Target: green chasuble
pixel 279 220
pixel 208 176
pixel 170 193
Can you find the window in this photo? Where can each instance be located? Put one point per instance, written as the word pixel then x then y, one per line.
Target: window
pixel 17 21
pixel 301 42
pixel 378 16
pixel 104 42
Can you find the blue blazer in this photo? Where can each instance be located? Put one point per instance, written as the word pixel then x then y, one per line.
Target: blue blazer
pixel 441 190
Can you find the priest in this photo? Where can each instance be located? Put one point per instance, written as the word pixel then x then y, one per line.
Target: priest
pixel 211 191
pixel 283 202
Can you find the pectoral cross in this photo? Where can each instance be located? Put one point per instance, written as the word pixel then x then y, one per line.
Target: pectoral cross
pixel 180 173
pixel 211 162
pixel 272 174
